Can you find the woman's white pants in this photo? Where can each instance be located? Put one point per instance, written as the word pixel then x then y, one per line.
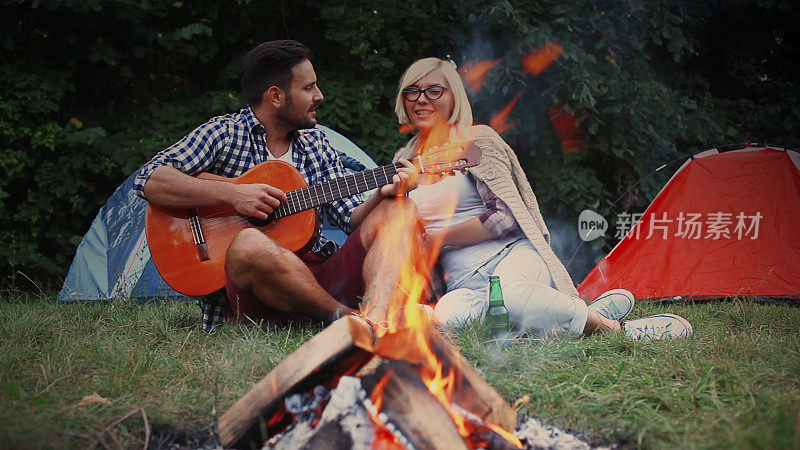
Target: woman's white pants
pixel 533 304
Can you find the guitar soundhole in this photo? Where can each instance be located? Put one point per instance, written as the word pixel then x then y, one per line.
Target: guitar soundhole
pixel 266 225
pixel 259 222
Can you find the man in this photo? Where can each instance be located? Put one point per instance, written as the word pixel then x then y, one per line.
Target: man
pixel 265 281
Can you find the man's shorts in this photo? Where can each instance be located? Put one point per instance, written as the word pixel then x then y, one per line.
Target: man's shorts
pixel 341 276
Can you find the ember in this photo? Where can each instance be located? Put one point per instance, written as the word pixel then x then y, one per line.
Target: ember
pixel 500 120
pixel 474 74
pixel 344 422
pixel 568 130
pixel 539 60
pixel 405 128
pixel 347 421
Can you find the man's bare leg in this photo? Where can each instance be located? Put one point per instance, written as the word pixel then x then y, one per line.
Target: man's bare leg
pixel 278 278
pixel 391 235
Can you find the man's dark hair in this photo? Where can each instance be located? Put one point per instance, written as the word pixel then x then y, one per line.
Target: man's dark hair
pixel 270 64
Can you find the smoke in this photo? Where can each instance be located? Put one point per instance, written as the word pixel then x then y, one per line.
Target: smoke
pixel 510 99
pixel 579 257
pixel 480 48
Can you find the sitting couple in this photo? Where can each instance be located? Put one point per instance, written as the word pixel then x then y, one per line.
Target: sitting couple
pixel 496 228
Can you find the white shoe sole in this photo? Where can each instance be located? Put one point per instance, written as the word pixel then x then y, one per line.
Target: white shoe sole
pixel 683 329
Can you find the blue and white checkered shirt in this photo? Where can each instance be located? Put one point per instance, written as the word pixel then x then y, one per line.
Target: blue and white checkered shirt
pixel 229 145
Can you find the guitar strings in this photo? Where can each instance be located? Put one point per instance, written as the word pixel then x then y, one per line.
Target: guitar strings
pixel 298 201
pixel 359 188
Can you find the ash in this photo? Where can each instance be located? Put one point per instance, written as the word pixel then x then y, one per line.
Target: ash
pixel 343 419
pixel 538 436
pixel 339 419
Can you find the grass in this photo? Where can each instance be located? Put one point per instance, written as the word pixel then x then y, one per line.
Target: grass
pixel 734 384
pixel 152 356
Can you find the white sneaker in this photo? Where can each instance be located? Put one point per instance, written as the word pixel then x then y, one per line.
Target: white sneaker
pixel 614 304
pixel 659 326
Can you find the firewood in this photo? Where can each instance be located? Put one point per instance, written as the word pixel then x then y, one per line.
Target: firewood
pixel 472 392
pixel 330 436
pixel 322 360
pixel 342 349
pixel 410 411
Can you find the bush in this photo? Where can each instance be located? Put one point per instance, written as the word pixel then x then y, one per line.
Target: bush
pixel 92 89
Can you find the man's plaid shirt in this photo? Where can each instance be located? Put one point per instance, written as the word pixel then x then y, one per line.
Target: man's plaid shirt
pixel 229 145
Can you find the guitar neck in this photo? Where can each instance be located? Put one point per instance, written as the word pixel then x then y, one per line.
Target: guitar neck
pixel 329 191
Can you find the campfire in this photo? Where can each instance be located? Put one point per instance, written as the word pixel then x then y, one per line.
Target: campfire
pixel 384 379
pixel 402 403
pixel 415 389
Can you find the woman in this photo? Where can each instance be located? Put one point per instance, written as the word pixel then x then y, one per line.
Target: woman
pixel 496 227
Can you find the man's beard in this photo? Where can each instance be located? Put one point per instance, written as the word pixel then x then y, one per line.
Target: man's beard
pixel 298 121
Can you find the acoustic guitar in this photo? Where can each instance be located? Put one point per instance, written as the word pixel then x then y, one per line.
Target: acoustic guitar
pixel 189 246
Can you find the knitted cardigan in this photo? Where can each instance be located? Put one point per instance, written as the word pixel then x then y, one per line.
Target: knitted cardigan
pixel 499 168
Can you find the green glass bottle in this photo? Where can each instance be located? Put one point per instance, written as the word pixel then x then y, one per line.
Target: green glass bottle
pixel 497 315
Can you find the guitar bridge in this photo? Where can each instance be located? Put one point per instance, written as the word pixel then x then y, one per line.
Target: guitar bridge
pixel 198 236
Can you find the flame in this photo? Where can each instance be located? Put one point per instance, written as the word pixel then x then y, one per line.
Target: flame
pixel 442 388
pixel 500 120
pixel 402 325
pixel 377 393
pixel 540 59
pixel 385 440
pixel 402 312
pixel 568 130
pixel 474 73
pixel 506 435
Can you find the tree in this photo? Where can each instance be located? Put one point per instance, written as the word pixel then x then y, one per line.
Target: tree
pixel 92 89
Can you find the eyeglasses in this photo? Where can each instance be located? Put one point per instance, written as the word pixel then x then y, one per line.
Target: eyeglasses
pixel 432 92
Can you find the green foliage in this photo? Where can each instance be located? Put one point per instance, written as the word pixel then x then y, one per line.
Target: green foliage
pixel 617 75
pixel 371 45
pixel 92 89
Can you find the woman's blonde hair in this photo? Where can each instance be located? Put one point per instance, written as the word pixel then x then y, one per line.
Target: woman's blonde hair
pixel 462 112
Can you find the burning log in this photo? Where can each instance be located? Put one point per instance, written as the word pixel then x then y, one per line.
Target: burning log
pixel 408 409
pixel 391 408
pixel 472 392
pixel 328 356
pixel 342 349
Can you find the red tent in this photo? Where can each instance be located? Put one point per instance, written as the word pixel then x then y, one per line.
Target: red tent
pixel 725 224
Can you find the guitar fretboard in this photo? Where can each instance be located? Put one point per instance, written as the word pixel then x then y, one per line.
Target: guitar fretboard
pixel 329 191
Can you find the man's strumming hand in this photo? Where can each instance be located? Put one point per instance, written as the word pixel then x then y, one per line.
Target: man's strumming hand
pixel 256 199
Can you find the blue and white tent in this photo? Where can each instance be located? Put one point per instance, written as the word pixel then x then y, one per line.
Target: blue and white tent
pixel 113 259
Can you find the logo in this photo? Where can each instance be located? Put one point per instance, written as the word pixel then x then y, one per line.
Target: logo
pixel 591 225
pixel 714 225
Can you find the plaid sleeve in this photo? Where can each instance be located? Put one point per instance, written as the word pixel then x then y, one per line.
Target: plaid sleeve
pixel 331 167
pixel 497 218
pixel 192 154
